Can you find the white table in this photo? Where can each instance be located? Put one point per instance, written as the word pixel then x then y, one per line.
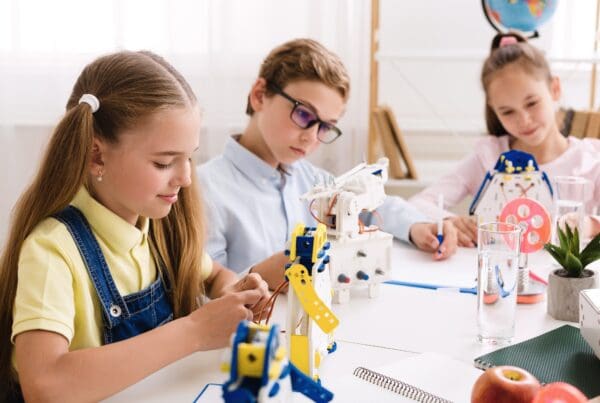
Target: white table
pixel 419 320
pixel 374 332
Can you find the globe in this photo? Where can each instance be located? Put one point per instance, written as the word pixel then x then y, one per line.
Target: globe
pixel 522 15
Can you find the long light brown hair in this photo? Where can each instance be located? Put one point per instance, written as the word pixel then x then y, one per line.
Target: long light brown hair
pixel 519 53
pixel 303 60
pixel 130 87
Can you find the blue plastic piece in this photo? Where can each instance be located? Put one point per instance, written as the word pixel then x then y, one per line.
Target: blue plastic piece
pixel 332 348
pixel 238 396
pixel 274 390
pixel 303 384
pixel 519 161
pixel 488 178
pixel 361 275
pixel 249 387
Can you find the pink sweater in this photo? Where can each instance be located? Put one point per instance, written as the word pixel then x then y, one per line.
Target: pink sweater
pixel 582 158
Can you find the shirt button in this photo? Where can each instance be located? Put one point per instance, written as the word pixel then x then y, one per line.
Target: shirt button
pixel 115 311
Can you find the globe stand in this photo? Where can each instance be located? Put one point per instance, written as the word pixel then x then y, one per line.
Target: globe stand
pixel 533 217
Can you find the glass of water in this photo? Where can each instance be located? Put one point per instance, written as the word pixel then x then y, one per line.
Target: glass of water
pixel 498 246
pixel 569 204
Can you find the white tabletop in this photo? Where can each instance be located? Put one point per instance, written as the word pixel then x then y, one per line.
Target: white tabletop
pixel 400 322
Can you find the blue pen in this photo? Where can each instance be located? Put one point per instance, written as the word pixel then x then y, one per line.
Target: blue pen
pixel 464 290
pixel 440 224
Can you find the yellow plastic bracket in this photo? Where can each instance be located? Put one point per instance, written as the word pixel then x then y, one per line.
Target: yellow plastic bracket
pixel 299 352
pixel 301 283
pixel 298 231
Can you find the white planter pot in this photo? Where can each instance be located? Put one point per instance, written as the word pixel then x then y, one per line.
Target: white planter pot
pixel 563 294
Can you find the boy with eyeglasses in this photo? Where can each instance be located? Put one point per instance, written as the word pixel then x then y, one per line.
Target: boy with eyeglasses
pixel 253 189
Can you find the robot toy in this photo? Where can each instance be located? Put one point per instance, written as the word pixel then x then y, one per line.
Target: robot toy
pixel 259 370
pixel 360 256
pixel 515 175
pixel 310 321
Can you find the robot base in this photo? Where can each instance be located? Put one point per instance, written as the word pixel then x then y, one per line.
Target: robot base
pixel 342 296
pixel 361 262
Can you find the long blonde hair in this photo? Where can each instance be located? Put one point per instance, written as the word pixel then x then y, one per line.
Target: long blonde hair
pixel 130 87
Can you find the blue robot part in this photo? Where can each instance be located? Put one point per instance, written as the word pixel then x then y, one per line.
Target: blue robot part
pixel 246 387
pixel 509 162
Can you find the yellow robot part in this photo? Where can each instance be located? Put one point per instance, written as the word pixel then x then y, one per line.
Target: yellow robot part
pixel 299 352
pixel 311 303
pixel 251 360
pixel 319 239
pixel 298 231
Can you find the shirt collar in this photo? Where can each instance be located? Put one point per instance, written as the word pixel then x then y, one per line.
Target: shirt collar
pixel 117 234
pixel 251 165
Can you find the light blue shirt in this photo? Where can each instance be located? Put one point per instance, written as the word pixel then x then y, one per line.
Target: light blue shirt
pixel 252 208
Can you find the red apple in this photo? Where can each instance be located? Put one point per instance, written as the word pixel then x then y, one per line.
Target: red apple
pixel 559 392
pixel 505 384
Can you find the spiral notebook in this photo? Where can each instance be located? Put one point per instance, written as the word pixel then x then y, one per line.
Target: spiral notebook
pixel 426 377
pixel 561 354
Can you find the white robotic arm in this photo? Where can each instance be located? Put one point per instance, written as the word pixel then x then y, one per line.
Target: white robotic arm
pixel 359 256
pixel 340 202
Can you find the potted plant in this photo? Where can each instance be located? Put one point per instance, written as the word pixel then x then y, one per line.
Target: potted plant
pixel 565 284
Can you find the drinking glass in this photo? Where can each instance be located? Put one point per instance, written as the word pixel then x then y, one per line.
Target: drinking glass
pixel 498 246
pixel 569 204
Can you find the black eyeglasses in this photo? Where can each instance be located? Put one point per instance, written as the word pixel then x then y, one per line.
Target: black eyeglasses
pixel 304 118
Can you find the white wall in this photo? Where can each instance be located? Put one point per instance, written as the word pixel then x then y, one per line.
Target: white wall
pixel 430 56
pixel 430 61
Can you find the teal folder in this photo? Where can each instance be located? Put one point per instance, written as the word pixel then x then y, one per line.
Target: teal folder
pixel 561 354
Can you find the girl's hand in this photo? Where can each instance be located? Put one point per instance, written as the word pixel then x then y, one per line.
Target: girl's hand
pixel 424 236
pixel 251 281
pixel 218 319
pixel 466 228
pixel 272 269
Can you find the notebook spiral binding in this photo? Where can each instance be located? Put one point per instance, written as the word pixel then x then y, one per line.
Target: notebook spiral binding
pixel 397 386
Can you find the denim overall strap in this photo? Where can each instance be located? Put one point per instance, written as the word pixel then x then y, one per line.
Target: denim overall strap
pixel 113 305
pixel 127 316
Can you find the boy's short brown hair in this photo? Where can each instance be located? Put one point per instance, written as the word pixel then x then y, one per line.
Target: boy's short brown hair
pixel 304 59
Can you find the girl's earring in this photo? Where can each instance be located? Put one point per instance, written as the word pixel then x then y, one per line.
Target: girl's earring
pixel 99 177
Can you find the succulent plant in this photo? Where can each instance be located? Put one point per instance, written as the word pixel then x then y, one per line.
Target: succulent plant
pixel 568 255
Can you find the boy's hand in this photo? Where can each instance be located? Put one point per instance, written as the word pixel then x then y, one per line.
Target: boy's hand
pixel 424 236
pixel 466 228
pixel 272 269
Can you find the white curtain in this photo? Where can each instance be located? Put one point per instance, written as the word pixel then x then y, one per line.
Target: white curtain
pixel 217 44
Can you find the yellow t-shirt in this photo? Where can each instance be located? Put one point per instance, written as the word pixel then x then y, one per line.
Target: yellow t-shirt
pixel 54 290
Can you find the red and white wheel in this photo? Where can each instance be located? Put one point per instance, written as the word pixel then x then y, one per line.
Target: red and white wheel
pixel 533 217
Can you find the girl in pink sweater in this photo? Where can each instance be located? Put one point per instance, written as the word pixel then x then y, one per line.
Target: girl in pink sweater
pixel 520 114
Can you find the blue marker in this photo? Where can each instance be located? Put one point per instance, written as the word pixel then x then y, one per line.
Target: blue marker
pixel 440 224
pixel 464 290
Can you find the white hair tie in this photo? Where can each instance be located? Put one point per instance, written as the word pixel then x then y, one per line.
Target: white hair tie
pixel 91 100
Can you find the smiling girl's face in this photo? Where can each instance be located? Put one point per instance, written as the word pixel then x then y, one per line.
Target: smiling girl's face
pixel 524 105
pixel 143 173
